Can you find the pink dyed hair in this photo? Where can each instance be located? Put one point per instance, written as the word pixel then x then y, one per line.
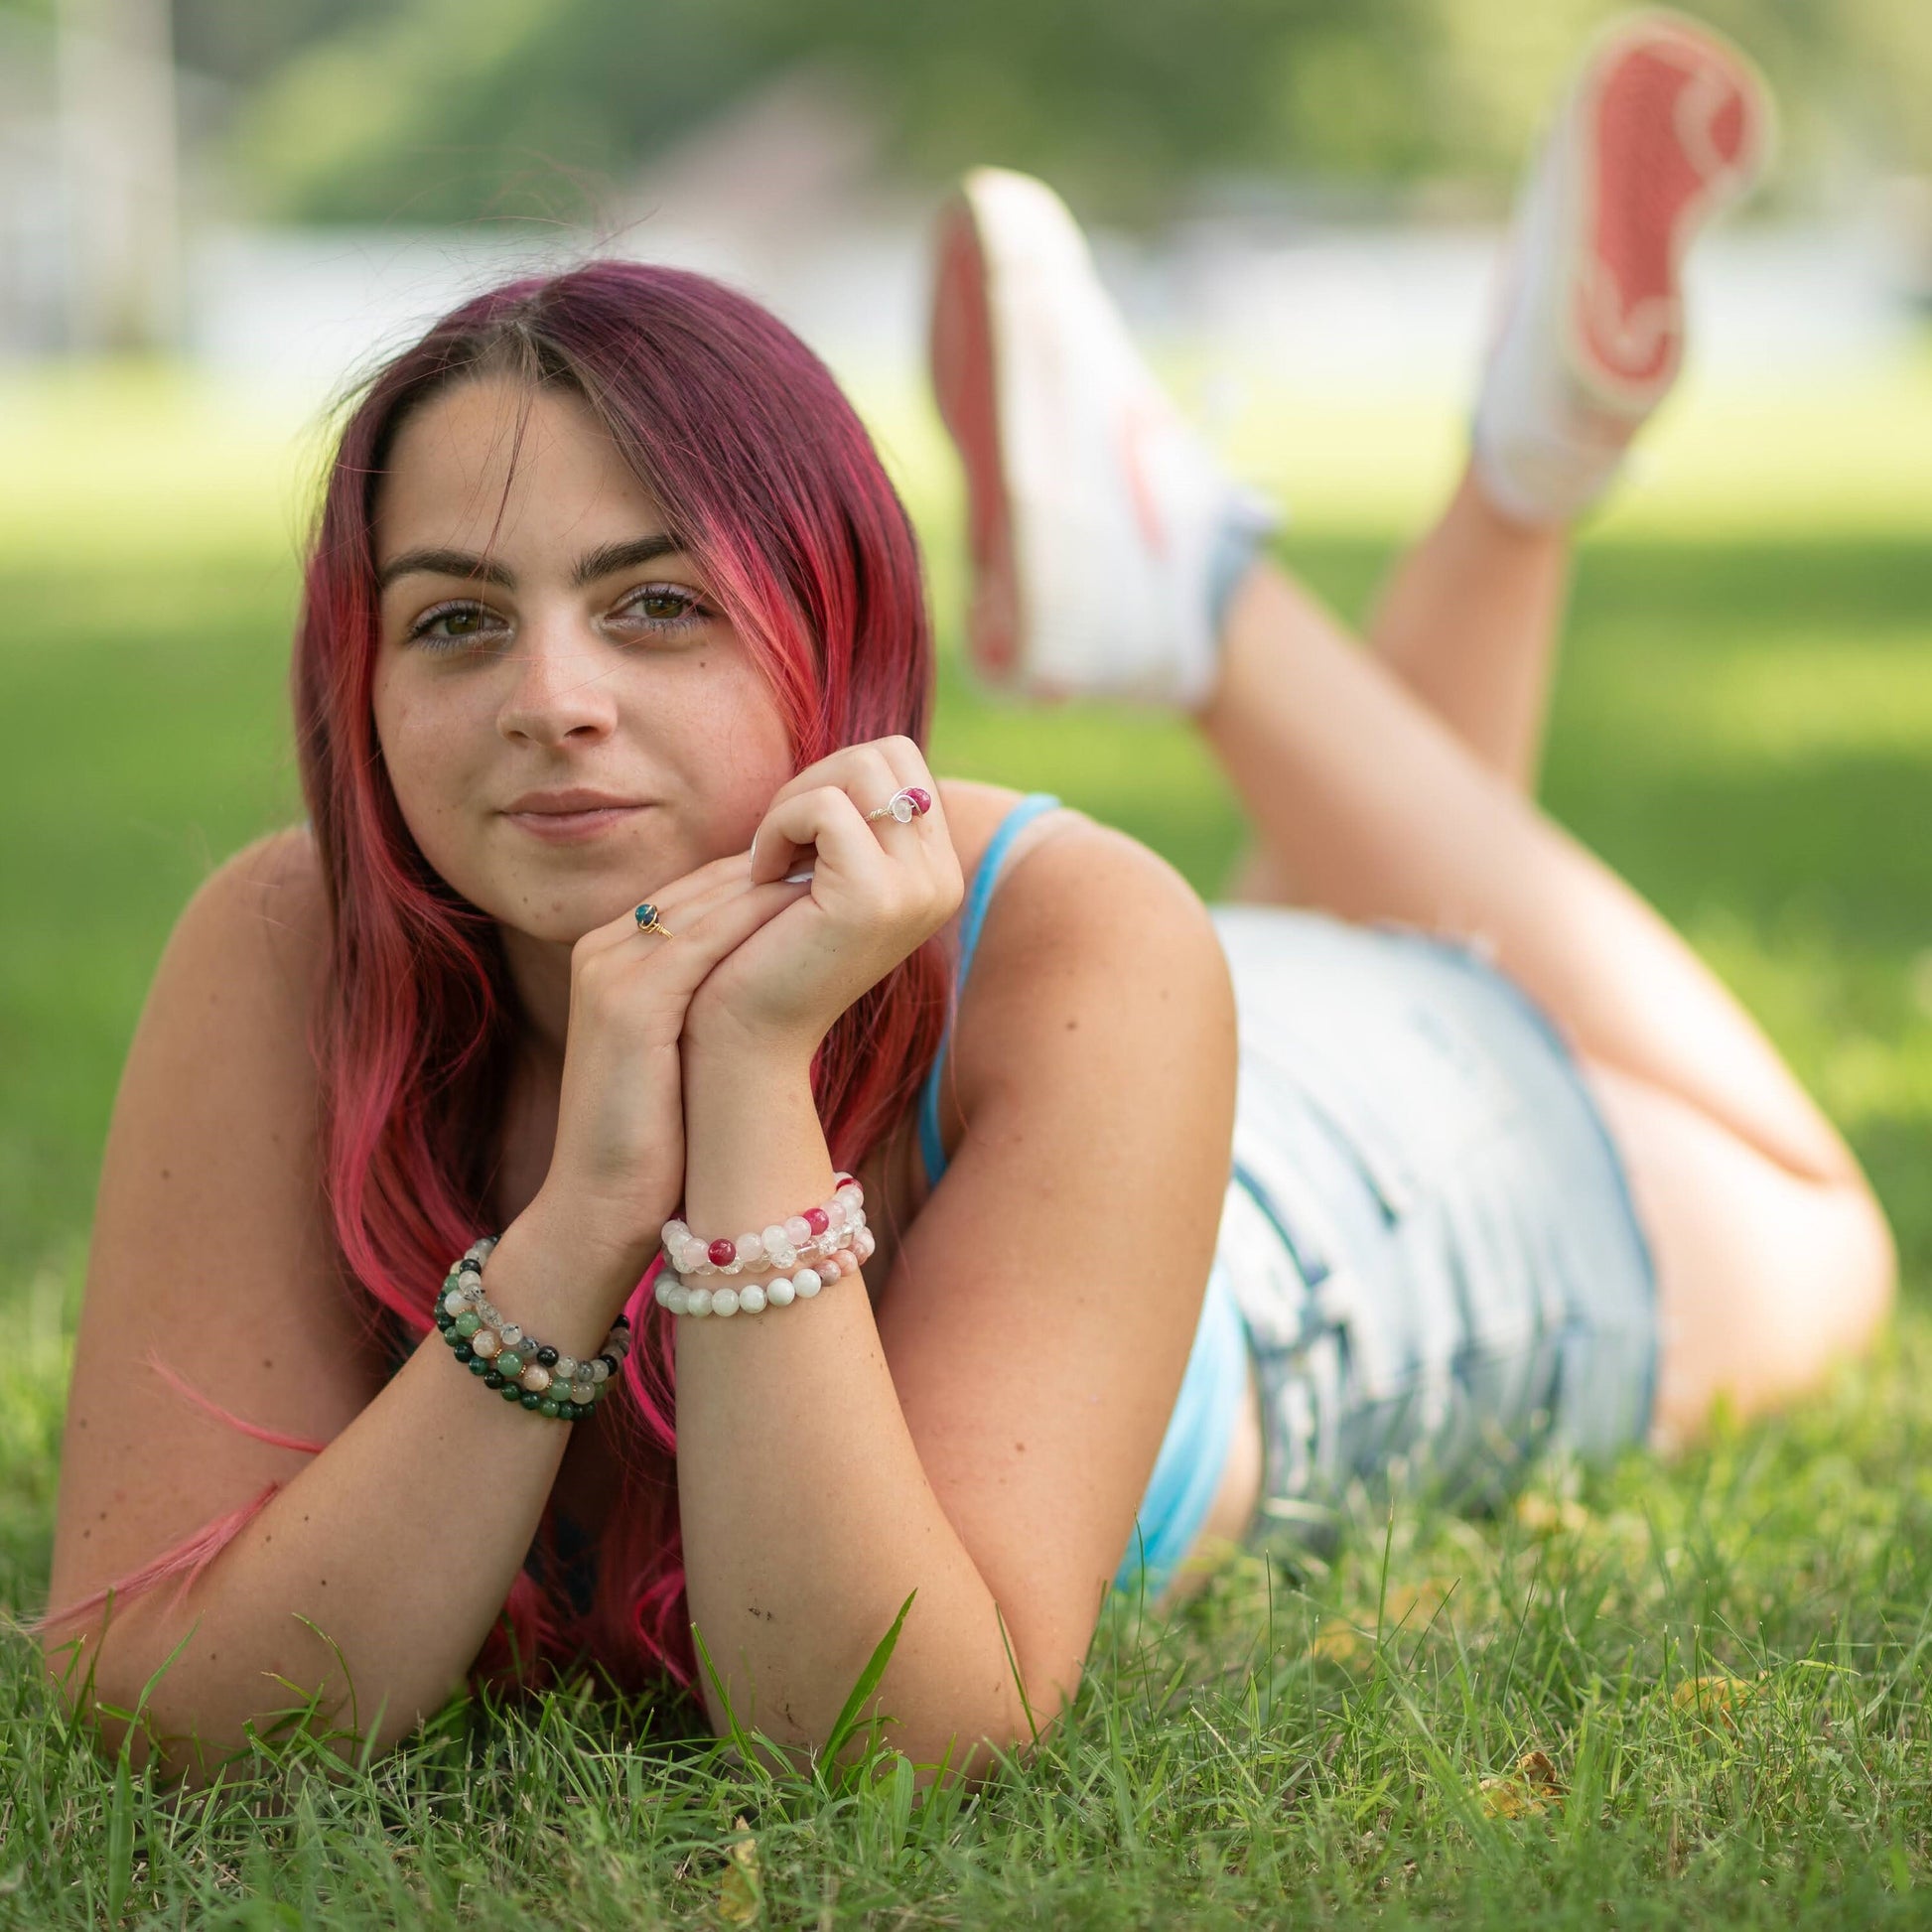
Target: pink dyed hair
pixel 761 464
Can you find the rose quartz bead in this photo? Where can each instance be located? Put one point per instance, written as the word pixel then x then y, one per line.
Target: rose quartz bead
pixel 797 1230
pixel 535 1378
pixel 830 1268
pixel 863 1244
pixel 774 1238
pixel 485 1342
pixel 751 1249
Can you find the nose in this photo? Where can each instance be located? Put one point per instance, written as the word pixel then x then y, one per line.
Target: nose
pixel 560 684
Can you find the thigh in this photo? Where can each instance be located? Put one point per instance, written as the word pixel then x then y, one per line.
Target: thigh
pixel 1764 1276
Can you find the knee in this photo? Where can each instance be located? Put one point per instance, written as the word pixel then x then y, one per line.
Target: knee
pixel 1839 1308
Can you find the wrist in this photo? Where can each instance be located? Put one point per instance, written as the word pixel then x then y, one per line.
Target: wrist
pixel 580 1256
pixel 723 1060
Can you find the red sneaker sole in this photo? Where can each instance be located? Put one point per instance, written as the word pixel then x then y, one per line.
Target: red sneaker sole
pixel 965 384
pixel 1678 130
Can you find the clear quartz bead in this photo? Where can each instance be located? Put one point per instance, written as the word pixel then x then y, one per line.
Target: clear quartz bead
pixel 455 1301
pixel 511 1334
pixel 600 1371
pixel 566 1369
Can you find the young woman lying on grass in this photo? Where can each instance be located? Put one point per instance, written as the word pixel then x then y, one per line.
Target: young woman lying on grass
pixel 611 664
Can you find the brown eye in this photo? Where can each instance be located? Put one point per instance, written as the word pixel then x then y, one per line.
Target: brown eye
pixel 664 604
pixel 449 624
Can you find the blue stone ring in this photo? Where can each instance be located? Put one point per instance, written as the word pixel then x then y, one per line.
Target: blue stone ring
pixel 649 921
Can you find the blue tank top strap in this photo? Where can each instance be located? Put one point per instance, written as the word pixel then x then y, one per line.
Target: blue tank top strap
pixel 985 877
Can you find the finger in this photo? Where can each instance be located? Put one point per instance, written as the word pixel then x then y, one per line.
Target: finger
pixel 827 821
pixel 677 961
pixel 870 772
pixel 860 772
pixel 689 896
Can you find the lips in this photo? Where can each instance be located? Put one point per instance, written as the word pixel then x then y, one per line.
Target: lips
pixel 574 798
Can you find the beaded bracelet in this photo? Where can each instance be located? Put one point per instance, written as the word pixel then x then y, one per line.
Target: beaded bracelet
pixel 821 1230
pixel 517 1367
pixel 754 1298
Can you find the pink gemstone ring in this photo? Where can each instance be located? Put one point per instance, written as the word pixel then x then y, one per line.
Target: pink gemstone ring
pixel 904 805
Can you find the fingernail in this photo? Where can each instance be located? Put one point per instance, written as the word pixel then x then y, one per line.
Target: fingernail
pixel 797 878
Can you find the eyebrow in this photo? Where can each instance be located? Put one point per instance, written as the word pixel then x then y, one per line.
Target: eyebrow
pixel 604 561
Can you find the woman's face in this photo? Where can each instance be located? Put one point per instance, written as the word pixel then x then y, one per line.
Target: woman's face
pixel 590 654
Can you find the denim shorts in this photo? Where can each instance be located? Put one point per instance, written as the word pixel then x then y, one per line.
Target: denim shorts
pixel 1430 1233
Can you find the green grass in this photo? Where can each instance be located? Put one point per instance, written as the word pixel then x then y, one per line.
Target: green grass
pixel 1743 726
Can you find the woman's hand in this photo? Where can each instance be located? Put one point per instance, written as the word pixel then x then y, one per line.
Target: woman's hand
pixel 877 891
pixel 617 1170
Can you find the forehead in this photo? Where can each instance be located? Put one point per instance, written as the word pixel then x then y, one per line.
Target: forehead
pixel 490 459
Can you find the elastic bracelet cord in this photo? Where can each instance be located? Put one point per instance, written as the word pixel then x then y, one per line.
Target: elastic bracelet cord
pixel 516 1365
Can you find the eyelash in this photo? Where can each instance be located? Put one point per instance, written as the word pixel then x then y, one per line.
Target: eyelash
pixel 694 612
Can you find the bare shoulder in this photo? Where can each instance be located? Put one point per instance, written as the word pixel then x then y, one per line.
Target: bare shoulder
pixel 1090 929
pixel 212 1248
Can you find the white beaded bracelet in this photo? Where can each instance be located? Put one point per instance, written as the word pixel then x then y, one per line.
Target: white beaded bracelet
pixel 820 1231
pixel 680 1298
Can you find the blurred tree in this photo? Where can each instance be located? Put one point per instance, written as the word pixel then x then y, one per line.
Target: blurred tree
pixel 440 110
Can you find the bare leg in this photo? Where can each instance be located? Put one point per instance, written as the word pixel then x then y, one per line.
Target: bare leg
pixel 1379 810
pixel 1469 621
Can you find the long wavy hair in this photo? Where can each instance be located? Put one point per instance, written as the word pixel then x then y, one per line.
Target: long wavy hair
pixel 767 476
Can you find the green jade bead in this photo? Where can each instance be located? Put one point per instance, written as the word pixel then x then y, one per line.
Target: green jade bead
pixel 468 1324
pixel 509 1363
pixel 511 1392
pixel 547 1408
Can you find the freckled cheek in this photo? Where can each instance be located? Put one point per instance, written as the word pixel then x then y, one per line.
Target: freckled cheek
pixel 424 745
pixel 730 746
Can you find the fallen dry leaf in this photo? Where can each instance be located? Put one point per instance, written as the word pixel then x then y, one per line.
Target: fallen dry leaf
pixel 1527 1792
pixel 1713 1697
pixel 1341 1643
pixel 1546 1516
pixel 740 1893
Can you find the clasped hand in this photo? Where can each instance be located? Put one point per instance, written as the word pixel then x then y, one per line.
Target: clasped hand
pixel 753 965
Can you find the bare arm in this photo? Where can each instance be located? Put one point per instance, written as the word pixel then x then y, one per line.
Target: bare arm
pixel 400 1539
pixel 987 1440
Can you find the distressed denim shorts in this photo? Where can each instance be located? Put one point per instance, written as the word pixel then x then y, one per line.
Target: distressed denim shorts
pixel 1430 1233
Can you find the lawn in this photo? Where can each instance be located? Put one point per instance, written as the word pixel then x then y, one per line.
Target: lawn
pixel 1644 1695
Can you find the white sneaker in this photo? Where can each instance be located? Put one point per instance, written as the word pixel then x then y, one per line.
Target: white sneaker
pixel 1095 511
pixel 1665 123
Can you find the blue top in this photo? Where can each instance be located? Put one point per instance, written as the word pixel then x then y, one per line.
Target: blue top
pixel 1200 1431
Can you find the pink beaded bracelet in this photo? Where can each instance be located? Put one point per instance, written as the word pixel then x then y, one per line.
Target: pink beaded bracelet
pixel 824 1230
pixel 680 1298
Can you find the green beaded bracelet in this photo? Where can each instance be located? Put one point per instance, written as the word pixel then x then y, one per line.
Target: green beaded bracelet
pixel 515 1365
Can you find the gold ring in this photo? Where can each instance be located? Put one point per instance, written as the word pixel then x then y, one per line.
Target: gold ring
pixel 649 921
